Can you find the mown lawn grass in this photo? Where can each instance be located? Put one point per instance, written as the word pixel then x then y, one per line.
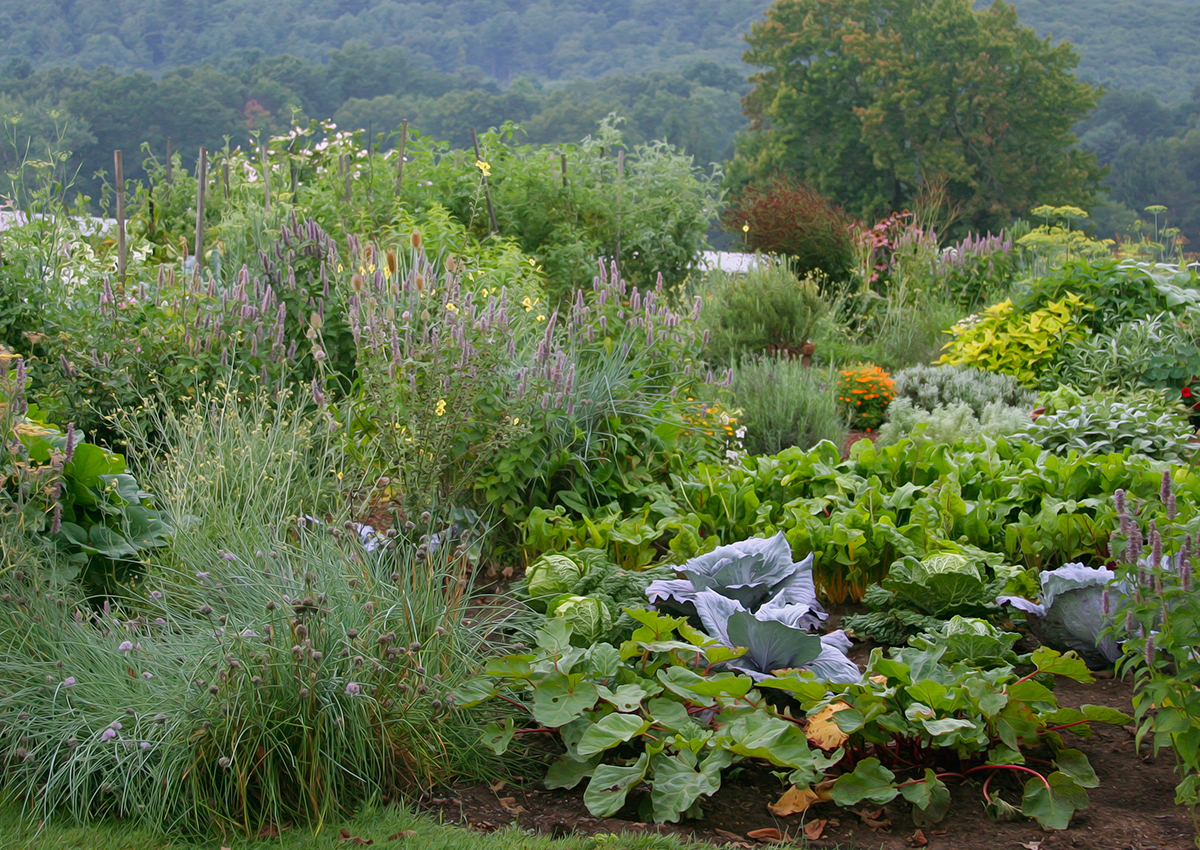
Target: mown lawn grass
pixel 18 833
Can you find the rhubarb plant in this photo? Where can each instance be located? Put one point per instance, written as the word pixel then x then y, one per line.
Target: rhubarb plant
pixel 658 718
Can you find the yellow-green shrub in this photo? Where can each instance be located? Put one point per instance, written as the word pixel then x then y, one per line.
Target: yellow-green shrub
pixel 1006 340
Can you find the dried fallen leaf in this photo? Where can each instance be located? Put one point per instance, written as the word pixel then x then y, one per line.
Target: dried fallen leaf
pixel 510 805
pixel 269 831
pixel 497 786
pixel 768 834
pixel 345 835
pixel 918 839
pixel 821 729
pixel 797 799
pixel 407 833
pixel 874 820
pixel 735 840
pixel 814 829
pixel 1031 845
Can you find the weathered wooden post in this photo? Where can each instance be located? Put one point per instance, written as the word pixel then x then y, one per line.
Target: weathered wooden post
pixel 119 168
pixel 201 191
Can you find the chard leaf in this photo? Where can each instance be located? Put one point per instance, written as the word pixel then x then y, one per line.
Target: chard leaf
pixel 1053 802
pixel 870 781
pixel 609 731
pixel 1075 765
pixel 610 784
pixel 678 783
pixel 930 799
pixel 567 772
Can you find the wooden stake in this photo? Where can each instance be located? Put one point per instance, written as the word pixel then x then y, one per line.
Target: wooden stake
pixel 169 164
pixel 620 196
pixel 400 167
pixel 266 173
pixel 201 191
pixel 119 168
pixel 563 162
pixel 487 190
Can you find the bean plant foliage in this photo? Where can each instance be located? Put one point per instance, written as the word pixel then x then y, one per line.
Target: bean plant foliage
pixel 654 712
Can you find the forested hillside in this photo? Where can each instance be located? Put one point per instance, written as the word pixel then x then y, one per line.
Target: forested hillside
pixel 1126 44
pixel 551 39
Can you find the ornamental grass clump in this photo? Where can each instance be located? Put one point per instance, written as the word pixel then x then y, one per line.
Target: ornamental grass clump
pixel 864 393
pixel 269 670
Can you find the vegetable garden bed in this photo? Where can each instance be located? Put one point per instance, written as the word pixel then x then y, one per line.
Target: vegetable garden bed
pixel 1133 807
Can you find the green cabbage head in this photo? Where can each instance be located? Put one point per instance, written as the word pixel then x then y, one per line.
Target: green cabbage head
pixel 553 575
pixel 590 619
pixel 942 585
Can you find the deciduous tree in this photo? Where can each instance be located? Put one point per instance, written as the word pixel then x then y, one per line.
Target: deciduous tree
pixel 867 99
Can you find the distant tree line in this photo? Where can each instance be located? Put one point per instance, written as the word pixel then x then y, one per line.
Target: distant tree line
pixel 548 39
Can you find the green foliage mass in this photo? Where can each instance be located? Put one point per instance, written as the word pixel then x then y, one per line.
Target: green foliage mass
pixel 652 713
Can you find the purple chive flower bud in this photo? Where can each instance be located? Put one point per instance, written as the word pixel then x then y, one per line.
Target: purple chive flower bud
pixel 108 735
pixel 353 689
pixel 229 556
pixel 126 646
pixel 69 682
pixel 202 576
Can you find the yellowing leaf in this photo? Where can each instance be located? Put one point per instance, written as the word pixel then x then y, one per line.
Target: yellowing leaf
pixel 821 729
pixel 797 800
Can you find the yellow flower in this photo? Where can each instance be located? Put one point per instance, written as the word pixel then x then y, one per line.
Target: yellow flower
pixel 440 410
pixel 516 420
pixel 527 303
pixel 483 167
pixel 451 306
pixel 541 318
pixel 745 228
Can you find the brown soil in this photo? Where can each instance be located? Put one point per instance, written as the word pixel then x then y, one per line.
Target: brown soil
pixel 1133 809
